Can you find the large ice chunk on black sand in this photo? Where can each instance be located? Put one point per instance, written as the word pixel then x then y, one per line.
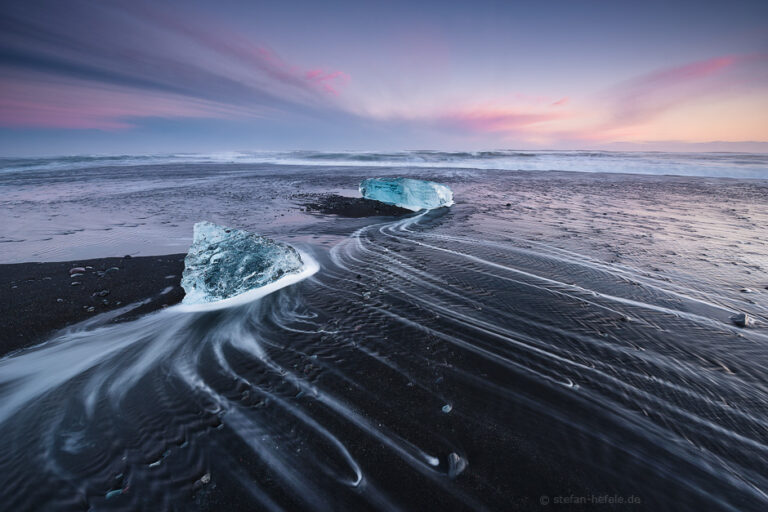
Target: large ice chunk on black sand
pixel 225 262
pixel 407 193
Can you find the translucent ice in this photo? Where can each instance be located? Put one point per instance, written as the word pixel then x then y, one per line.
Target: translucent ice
pixel 407 193
pixel 224 262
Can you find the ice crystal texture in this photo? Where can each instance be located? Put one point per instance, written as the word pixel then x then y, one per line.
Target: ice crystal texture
pixel 407 193
pixel 224 262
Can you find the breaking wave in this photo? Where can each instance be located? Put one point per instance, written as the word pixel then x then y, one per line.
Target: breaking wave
pixel 736 165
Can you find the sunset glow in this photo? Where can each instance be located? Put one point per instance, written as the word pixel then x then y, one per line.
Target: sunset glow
pixel 123 67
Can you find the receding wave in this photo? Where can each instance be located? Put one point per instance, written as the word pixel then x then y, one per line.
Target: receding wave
pixel 737 165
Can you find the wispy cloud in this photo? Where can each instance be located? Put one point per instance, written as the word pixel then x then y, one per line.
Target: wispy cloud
pixel 495 120
pixel 645 97
pixel 103 76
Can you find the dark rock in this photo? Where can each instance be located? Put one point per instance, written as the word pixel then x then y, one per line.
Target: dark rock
pixel 455 465
pixel 742 320
pixel 350 206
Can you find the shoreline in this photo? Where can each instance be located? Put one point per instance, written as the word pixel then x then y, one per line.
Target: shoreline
pixel 45 297
pixel 42 298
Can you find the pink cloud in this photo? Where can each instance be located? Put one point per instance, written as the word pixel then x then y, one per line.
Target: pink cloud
pixel 646 96
pixel 241 48
pixel 496 119
pixel 688 72
pixel 35 100
pixel 327 79
pixel 561 102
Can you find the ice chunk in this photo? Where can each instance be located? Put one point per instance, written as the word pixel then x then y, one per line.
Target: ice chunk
pixel 224 262
pixel 407 193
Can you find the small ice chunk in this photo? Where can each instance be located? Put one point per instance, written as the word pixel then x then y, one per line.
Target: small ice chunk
pixel 447 408
pixel 407 193
pixel 455 465
pixel 224 262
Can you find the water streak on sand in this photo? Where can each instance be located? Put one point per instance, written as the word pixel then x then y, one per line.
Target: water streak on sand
pixel 545 335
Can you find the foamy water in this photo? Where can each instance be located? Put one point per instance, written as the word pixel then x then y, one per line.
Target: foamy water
pixel 735 165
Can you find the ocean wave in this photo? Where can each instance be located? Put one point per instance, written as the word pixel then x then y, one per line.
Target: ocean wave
pixel 736 165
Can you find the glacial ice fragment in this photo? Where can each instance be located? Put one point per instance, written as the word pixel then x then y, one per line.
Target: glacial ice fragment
pixel 224 262
pixel 407 193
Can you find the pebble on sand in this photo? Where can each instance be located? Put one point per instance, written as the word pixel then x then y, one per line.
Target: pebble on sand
pixel 113 493
pixel 76 270
pixel 455 465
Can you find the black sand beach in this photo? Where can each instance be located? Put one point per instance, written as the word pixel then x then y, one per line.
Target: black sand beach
pixel 46 297
pixel 552 337
pixel 41 298
pixel 334 204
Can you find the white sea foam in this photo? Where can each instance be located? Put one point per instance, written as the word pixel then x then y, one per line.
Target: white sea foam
pixel 734 165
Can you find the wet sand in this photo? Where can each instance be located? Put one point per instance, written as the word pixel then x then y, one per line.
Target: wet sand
pixel 41 298
pixel 550 335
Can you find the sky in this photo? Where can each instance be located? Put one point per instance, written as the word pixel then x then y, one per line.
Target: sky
pixel 107 77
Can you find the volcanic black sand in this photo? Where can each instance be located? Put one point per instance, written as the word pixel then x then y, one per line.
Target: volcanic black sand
pixel 349 206
pixel 551 339
pixel 46 297
pixel 41 298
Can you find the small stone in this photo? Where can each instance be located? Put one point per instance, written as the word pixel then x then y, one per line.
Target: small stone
pixel 206 478
pixel 447 408
pixel 91 309
pixel 747 290
pixel 75 283
pixel 455 465
pixel 76 275
pixel 113 493
pixel 59 300
pixel 742 320
pixel 76 270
